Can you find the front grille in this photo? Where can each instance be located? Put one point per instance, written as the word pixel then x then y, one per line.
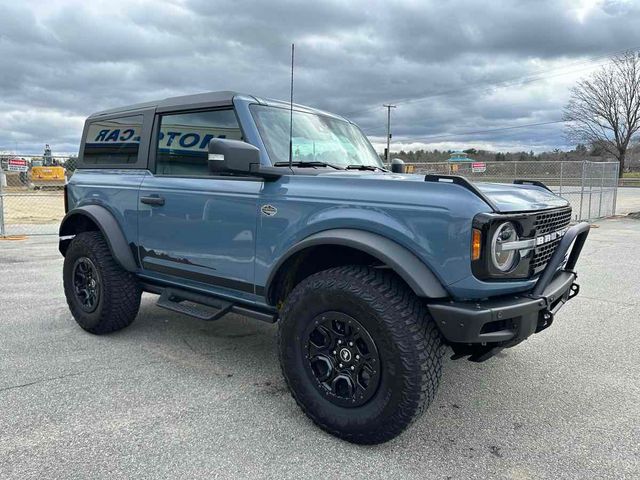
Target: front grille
pixel 548 222
pixel 552 221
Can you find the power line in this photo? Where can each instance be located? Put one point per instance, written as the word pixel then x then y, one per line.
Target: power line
pixel 479 132
pixel 490 87
pixel 502 85
pixel 537 76
pixel 507 128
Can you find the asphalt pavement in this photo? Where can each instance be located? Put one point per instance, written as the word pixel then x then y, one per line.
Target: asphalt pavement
pixel 174 397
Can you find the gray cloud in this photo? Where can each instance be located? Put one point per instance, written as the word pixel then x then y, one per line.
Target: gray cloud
pixel 64 60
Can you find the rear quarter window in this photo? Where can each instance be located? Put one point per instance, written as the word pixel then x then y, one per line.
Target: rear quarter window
pixel 115 141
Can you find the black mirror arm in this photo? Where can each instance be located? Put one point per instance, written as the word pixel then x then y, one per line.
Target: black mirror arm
pixel 270 173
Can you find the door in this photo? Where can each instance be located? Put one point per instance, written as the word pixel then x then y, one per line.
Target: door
pixel 196 228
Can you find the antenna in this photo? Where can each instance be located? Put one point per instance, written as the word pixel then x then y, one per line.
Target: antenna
pixel 291 111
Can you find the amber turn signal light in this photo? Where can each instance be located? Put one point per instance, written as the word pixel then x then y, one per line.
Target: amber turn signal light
pixel 476 243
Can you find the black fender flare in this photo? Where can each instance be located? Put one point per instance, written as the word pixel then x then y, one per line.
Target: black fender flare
pixel 409 267
pixel 108 226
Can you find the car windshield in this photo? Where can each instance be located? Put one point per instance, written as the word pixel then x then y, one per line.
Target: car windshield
pixel 316 138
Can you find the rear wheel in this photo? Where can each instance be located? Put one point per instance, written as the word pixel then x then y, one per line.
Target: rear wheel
pixel 102 296
pixel 359 352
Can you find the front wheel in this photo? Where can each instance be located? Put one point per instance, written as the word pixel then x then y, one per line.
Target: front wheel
pixel 360 353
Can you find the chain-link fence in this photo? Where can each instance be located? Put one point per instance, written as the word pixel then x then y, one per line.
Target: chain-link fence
pixel 590 187
pixel 32 200
pixel 32 193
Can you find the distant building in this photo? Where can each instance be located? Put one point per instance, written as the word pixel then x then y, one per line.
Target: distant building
pixel 455 157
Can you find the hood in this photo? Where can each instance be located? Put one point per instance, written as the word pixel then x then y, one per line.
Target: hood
pixel 520 198
pixel 505 197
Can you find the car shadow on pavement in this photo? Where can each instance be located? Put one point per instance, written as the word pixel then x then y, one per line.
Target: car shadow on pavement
pixel 245 350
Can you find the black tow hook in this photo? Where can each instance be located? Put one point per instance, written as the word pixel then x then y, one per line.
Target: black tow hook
pixel 475 352
pixel 545 319
pixel 573 291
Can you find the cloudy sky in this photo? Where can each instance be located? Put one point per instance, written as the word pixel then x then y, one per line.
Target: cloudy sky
pixel 452 67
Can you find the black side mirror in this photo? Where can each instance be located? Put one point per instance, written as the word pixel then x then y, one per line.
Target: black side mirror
pixel 398 166
pixel 232 156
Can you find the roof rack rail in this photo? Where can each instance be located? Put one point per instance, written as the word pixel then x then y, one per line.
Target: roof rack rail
pixel 463 182
pixel 521 181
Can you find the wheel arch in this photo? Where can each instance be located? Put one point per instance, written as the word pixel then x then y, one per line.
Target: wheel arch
pixel 350 246
pixel 97 218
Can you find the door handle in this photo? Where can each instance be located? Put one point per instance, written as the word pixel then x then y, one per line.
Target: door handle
pixel 152 200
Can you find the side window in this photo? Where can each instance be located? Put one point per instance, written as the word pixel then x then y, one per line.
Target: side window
pixel 114 141
pixel 183 140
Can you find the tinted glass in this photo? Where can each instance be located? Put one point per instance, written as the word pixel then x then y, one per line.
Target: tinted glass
pixel 183 140
pixel 114 141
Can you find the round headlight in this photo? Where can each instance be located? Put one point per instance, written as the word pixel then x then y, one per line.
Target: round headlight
pixel 503 260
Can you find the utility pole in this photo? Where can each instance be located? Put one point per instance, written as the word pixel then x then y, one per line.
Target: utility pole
pixel 387 153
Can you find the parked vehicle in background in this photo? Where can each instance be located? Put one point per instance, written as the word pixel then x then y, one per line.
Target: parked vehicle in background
pixel 208 202
pixel 46 173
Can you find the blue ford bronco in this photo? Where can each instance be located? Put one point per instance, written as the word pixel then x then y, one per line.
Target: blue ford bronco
pixel 227 203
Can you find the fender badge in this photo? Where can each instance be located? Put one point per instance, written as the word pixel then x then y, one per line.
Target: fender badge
pixel 268 210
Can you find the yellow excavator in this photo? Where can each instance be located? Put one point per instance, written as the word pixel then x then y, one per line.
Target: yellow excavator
pixel 46 173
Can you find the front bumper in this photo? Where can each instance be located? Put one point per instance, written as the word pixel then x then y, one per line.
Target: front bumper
pixel 506 321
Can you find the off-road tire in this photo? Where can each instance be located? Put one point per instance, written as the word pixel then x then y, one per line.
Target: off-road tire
pixel 120 292
pixel 407 339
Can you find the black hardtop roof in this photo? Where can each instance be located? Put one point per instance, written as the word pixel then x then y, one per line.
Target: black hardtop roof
pixel 203 100
pixel 197 100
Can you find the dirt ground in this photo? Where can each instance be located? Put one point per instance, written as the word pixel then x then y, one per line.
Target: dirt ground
pixel 33 207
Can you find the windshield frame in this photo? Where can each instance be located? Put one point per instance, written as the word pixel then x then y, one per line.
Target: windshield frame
pixel 374 158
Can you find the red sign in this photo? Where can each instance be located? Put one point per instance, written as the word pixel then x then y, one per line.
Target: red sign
pixel 478 167
pixel 17 165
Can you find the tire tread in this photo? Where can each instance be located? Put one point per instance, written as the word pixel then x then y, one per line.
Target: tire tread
pixel 121 292
pixel 413 331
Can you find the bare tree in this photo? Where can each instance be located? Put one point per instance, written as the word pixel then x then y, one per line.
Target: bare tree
pixel 605 108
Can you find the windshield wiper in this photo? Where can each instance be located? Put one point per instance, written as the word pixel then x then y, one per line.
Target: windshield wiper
pixel 372 168
pixel 307 164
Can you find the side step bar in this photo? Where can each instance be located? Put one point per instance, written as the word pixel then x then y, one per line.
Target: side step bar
pixel 172 300
pixel 211 308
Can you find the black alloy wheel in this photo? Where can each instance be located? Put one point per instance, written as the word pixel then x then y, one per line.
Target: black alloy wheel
pixel 86 284
pixel 342 359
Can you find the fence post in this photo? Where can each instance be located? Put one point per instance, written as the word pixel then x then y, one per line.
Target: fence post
pixel 601 190
pixel 584 162
pixel 561 164
pixel 2 180
pixel 617 184
pixel 590 189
